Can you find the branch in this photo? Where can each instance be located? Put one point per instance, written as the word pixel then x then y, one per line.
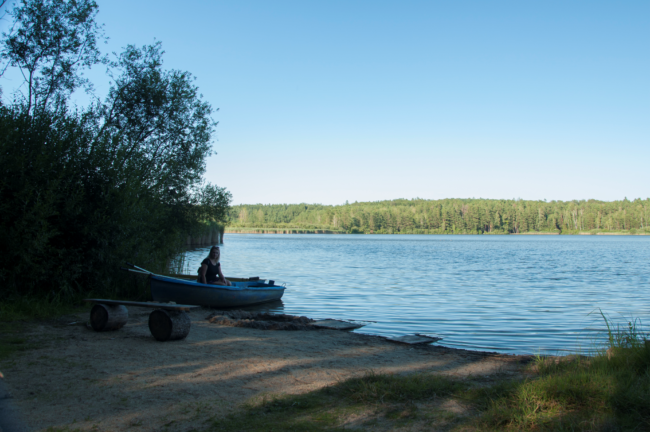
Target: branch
pixel 2 3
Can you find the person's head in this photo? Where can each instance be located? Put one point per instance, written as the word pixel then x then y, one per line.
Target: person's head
pixel 215 253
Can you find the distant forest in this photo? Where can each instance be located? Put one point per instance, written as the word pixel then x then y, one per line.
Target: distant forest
pixel 448 216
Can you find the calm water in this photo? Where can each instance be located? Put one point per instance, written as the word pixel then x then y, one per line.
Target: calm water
pixel 514 294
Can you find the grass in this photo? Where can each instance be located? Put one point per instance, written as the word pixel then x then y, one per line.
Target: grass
pixel 607 392
pixel 610 391
pixel 578 394
pixel 373 401
pixel 28 308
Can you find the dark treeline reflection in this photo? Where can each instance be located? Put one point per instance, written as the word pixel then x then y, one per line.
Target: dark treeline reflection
pixel 452 216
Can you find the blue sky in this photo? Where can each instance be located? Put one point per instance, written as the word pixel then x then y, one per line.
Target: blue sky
pixel 323 102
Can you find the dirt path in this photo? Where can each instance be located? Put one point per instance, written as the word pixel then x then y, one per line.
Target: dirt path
pixel 125 380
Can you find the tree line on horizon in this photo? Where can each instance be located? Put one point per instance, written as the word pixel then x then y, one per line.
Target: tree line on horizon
pixel 451 216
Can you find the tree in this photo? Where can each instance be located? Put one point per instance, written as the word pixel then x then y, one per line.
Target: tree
pixel 51 42
pixel 84 190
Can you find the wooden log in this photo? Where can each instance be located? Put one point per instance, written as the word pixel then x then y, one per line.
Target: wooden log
pixel 108 317
pixel 169 325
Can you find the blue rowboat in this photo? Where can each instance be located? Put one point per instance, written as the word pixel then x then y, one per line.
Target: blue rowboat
pixel 166 289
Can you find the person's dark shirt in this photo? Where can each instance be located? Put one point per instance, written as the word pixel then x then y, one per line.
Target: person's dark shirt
pixel 212 274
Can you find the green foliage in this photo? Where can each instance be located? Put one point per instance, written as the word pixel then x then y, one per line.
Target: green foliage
pixel 50 43
pixel 82 191
pixel 452 216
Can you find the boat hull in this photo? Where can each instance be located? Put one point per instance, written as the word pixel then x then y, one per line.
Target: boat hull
pixel 165 289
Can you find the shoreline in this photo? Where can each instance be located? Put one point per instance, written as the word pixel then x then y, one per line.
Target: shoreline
pixel 323 231
pixel 125 379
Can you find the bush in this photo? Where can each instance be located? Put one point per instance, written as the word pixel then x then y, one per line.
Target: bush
pixel 83 190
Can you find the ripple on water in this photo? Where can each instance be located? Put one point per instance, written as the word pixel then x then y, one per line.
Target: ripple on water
pixel 514 294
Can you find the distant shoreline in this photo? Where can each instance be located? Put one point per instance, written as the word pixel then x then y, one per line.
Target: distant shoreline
pixel 325 231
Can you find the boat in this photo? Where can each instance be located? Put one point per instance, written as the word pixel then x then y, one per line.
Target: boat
pixel 184 291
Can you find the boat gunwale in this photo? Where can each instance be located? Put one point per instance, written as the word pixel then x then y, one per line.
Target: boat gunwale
pixel 216 287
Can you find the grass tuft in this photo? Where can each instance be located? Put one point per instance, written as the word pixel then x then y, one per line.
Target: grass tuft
pixel 380 388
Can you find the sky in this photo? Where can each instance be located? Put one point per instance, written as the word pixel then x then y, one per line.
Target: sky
pixel 328 101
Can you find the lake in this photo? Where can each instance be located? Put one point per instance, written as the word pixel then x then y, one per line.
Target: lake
pixel 511 294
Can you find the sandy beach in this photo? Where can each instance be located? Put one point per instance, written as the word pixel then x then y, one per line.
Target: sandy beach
pixel 126 380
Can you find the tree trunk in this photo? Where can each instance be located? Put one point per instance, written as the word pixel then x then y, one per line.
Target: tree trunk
pixel 169 325
pixel 104 317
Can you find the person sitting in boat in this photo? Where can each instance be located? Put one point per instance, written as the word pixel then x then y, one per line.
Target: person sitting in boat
pixel 210 271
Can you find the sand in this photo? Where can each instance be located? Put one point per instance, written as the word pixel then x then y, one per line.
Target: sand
pixel 126 380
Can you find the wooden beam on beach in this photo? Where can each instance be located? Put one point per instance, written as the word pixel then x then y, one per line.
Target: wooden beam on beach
pixel 166 306
pixel 414 339
pixel 333 324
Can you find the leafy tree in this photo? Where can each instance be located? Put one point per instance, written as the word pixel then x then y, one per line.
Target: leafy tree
pixel 84 189
pixel 51 42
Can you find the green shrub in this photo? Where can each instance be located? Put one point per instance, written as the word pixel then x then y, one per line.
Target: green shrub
pixel 82 191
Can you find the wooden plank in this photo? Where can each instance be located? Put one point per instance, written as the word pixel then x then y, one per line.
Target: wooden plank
pixel 414 339
pixel 165 306
pixel 333 324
